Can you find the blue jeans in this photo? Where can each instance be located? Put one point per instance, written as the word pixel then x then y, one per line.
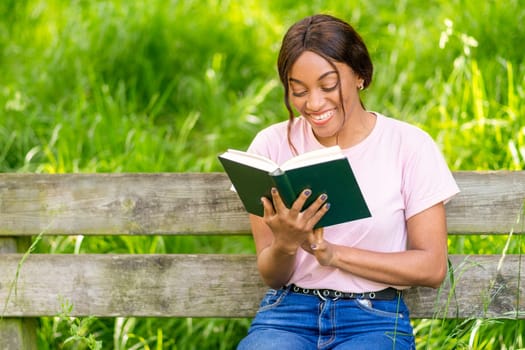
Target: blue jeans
pixel 287 320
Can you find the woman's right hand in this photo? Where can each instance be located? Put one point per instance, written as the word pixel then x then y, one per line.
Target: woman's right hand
pixel 292 227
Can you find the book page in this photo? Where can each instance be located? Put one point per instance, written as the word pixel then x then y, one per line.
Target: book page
pixel 314 157
pixel 250 159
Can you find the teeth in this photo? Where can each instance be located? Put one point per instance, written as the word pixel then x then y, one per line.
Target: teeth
pixel 324 116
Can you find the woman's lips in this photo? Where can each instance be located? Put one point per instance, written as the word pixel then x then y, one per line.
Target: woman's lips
pixel 323 118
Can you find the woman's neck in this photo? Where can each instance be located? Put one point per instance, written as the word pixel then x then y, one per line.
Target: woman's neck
pixel 355 129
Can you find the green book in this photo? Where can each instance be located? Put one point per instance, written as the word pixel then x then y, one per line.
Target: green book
pixel 326 170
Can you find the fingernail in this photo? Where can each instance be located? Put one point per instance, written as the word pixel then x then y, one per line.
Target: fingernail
pixel 307 192
pixel 313 246
pixel 274 190
pixel 327 206
pixel 324 196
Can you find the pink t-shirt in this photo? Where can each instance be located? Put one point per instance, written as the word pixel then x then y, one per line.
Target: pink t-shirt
pixel 401 173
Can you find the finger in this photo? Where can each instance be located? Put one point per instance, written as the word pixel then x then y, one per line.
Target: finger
pixel 313 239
pixel 315 206
pixel 278 203
pixel 307 246
pixel 319 234
pixel 318 239
pixel 268 207
pixel 318 215
pixel 298 205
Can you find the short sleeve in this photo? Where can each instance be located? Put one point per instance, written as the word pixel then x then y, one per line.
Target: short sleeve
pixel 272 143
pixel 260 145
pixel 427 179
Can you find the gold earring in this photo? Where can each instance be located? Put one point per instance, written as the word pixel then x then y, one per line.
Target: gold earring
pixel 360 86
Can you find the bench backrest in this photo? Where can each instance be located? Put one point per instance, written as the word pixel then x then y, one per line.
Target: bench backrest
pixel 212 285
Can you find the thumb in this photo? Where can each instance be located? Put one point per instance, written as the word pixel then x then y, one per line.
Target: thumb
pixel 318 238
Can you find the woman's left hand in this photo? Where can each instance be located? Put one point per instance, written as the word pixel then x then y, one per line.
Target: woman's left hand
pixel 319 247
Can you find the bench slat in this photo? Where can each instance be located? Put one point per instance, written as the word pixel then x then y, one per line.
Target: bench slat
pixel 201 203
pixel 111 204
pixel 108 285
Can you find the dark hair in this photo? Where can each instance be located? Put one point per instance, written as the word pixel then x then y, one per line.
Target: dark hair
pixel 329 37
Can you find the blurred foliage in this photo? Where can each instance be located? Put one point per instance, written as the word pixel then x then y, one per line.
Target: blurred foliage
pixel 166 85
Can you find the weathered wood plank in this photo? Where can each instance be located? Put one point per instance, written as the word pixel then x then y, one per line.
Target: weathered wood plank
pixel 18 334
pixel 482 286
pixel 201 203
pixel 149 204
pixel 223 286
pixel 15 333
pixel 139 285
pixel 489 202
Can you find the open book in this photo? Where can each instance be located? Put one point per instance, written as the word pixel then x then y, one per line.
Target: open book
pixel 326 170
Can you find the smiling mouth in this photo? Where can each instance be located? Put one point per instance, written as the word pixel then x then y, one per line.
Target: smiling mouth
pixel 322 117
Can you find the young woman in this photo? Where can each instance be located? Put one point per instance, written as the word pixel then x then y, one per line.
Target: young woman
pixel 340 287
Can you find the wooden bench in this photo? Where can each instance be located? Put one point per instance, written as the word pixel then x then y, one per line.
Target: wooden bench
pixel 207 285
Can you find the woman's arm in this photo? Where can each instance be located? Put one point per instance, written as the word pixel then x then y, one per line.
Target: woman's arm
pixel 281 232
pixel 424 263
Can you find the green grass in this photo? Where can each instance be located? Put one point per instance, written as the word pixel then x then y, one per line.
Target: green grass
pixel 129 86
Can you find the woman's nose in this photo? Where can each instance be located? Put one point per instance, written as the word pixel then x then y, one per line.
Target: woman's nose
pixel 314 101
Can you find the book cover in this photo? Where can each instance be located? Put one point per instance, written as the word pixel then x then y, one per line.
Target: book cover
pixel 323 171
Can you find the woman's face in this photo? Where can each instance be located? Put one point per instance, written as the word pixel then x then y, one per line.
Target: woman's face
pixel 314 88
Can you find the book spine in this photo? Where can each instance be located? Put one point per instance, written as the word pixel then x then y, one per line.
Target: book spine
pixel 285 189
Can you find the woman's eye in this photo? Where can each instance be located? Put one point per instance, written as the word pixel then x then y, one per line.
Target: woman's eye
pixel 299 93
pixel 329 88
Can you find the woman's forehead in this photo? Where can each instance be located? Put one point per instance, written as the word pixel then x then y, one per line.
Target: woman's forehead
pixel 314 66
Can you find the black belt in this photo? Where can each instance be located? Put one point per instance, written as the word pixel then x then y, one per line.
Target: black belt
pixel 385 294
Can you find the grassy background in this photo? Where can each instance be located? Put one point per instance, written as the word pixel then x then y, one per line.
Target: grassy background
pixel 162 86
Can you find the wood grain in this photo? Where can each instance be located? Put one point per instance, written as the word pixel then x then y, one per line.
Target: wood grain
pixel 212 285
pixel 224 286
pixel 201 203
